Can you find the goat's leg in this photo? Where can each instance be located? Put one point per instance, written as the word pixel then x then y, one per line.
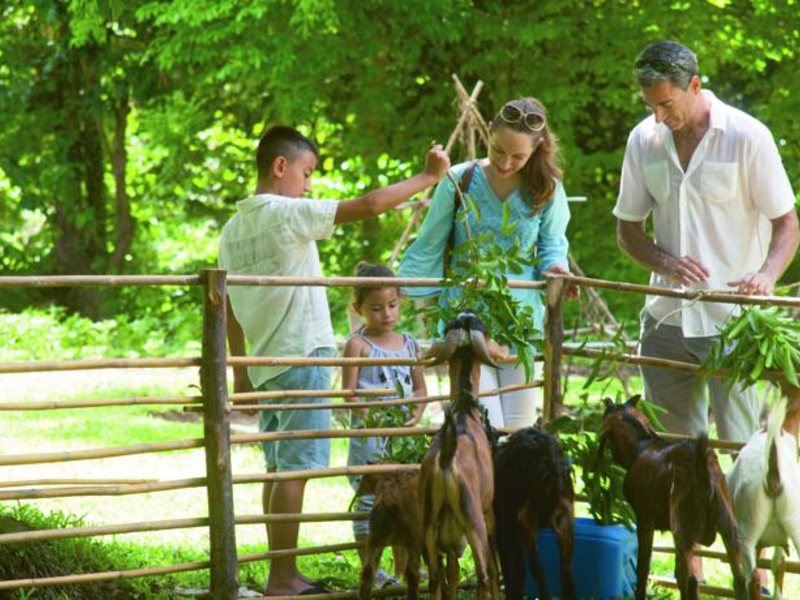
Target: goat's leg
pixel 479 542
pixel 644 534
pixel 535 565
pixel 494 567
pixel 565 538
pixel 372 554
pixel 751 573
pixel 778 571
pixel 687 581
pixel 731 535
pixel 452 575
pixel 432 559
pixel 510 551
pixel 412 574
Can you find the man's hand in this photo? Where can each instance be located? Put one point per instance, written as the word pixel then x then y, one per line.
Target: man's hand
pixel 686 270
pixel 437 162
pixel 754 284
pixel 570 289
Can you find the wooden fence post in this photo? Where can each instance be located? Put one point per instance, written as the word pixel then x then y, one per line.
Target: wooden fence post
pixel 553 342
pixel 216 426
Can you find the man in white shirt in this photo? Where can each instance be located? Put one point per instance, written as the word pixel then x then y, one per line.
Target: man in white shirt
pixel 723 218
pixel 274 232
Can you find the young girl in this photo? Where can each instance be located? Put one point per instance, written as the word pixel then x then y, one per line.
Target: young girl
pixel 377 338
pixel 521 172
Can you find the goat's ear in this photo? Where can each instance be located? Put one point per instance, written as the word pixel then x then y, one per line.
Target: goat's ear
pixel 609 402
pixel 435 353
pixel 634 400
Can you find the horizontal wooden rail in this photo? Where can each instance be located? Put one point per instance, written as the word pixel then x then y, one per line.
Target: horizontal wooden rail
pixel 650 361
pixel 102 490
pixel 104 576
pixel 155 571
pixel 70 455
pixel 377 403
pixel 701 296
pixel 99 363
pixel 358 281
pixel 164 525
pixel 306 434
pixel 321 473
pixel 96 280
pixel 102 403
pixel 66 481
pixel 338 361
pixel 792 566
pixel 704 589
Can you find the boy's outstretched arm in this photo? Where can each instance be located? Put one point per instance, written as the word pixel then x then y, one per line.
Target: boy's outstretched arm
pixel 386 198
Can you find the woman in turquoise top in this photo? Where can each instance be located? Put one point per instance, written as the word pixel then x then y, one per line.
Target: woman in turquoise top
pixel 521 171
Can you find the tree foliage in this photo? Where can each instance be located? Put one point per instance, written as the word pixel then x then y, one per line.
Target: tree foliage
pixel 129 126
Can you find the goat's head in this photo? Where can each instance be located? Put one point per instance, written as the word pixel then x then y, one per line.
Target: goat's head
pixel 464 348
pixel 465 336
pixel 624 428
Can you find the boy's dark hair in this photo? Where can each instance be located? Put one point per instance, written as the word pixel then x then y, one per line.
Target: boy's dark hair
pixel 365 269
pixel 281 140
pixel 666 60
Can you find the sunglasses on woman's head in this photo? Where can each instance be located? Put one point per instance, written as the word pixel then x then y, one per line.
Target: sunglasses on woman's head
pixel 534 121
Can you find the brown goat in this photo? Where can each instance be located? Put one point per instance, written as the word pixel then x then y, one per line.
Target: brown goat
pixel 456 475
pixel 533 489
pixel 393 521
pixel 675 486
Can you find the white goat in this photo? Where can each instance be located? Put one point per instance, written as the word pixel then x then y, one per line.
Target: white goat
pixel 765 492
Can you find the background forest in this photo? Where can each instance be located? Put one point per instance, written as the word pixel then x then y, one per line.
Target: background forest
pixel 129 127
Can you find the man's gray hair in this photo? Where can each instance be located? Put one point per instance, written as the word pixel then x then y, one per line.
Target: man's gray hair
pixel 666 61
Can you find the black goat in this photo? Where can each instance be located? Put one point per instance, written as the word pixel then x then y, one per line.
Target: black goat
pixel 533 489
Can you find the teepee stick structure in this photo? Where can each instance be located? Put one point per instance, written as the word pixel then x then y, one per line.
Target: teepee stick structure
pixel 465 128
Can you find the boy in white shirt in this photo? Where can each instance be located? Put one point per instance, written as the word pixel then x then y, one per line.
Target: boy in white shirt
pixel 274 232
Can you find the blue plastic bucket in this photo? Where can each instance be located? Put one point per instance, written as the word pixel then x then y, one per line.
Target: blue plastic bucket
pixel 603 561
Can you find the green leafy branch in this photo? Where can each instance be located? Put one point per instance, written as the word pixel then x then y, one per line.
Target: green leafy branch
pixel 478 273
pixel 757 340
pixel 405 449
pixel 601 479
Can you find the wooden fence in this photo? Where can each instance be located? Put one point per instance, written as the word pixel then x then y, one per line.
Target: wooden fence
pixel 217 405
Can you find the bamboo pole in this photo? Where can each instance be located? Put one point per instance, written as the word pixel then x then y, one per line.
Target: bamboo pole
pixel 63 481
pixel 104 490
pixel 304 361
pixel 104 576
pixel 553 341
pixel 306 434
pixel 327 472
pixel 651 361
pixel 102 403
pixel 363 281
pixel 70 455
pixel 482 126
pixel 792 566
pixel 164 525
pixel 360 405
pixel 103 363
pixel 298 552
pixel 216 426
pixel 702 296
pixel 102 280
pixel 711 590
